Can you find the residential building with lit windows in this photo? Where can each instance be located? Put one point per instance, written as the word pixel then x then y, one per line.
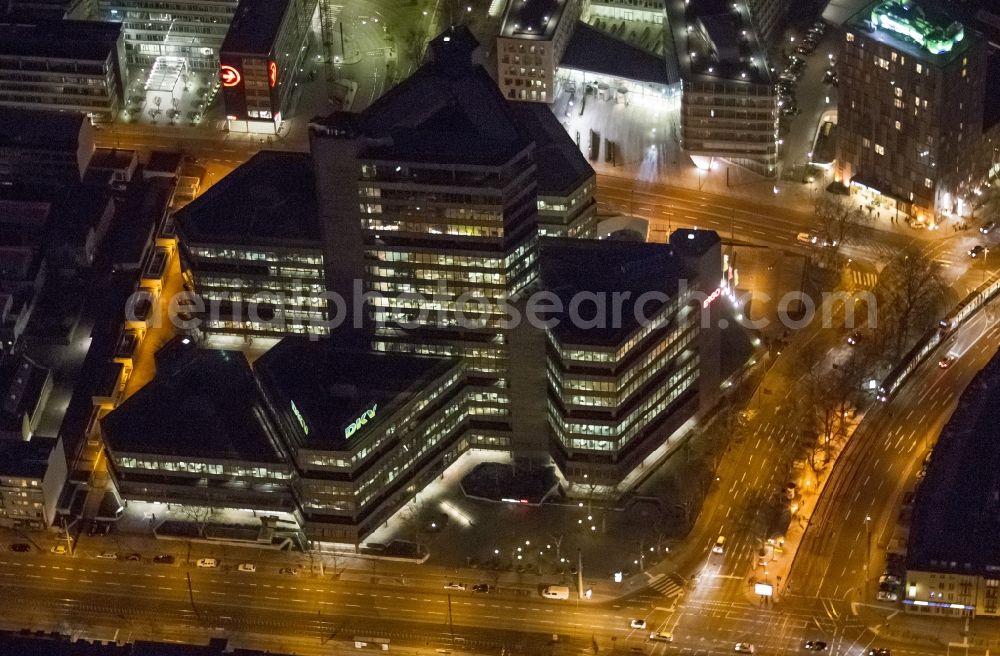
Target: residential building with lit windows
pixel 368 430
pixel 952 559
pixel 729 103
pixel 64 65
pixel 252 250
pixel 619 387
pixel 532 39
pixel 910 107
pixel 262 52
pixel 188 29
pixel 32 476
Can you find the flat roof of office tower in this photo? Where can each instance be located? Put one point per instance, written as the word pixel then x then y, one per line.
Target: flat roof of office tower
pixel 533 19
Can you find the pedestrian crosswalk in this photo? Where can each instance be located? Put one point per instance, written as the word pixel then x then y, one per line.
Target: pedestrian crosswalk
pixel 864 279
pixel 668 585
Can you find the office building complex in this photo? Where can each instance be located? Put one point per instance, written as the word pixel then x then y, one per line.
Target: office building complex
pixel 729 105
pixel 530 45
pixel 768 17
pixel 952 560
pixel 425 215
pixel 192 30
pixel 43 147
pixel 910 108
pixel 262 51
pixel 646 11
pixel 66 65
pixel 251 246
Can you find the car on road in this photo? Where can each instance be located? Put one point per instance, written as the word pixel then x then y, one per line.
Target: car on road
pixel 879 651
pixel 207 562
pixel 987 227
pixel 133 557
pixel 976 250
pixel 20 547
pixel 59 550
pixel 637 623
pixel 288 570
pixel 855 338
pixel 720 545
pixel 163 559
pixel 482 587
pixel 744 648
pixel 815 645
pixel 109 555
pixel 246 567
pixel 661 636
pixel 946 361
pixel 455 586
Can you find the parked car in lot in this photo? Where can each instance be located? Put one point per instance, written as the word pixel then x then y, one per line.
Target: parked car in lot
pixel 744 648
pixel 661 636
pixel 815 645
pixel 637 623
pixel 288 570
pixel 207 562
pixel 455 586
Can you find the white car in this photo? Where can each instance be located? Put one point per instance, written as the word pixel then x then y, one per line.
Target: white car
pixel 247 567
pixel 744 648
pixel 455 586
pixel 207 562
pixel 109 555
pixel 662 636
pixel 637 624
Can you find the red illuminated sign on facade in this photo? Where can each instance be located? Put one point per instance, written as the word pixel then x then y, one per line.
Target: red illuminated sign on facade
pixel 272 73
pixel 230 76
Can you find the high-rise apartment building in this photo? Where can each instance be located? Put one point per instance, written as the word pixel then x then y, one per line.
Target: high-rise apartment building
pixel 729 106
pixel 910 108
pixel 532 40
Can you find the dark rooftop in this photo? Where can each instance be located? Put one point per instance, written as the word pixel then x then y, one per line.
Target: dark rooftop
pixel 21 383
pixel 590 49
pixel 532 19
pixel 270 198
pixel 957 514
pixel 60 39
pixel 561 165
pixel 450 110
pixel 991 109
pixel 26 128
pixel 254 28
pixel 26 459
pixel 52 644
pixel 208 408
pixel 161 161
pixel 567 267
pixel 330 387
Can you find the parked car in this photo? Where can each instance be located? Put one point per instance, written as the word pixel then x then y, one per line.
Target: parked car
pixel 207 562
pixel 20 547
pixel 246 567
pixel 163 559
pixel 133 557
pixel 109 555
pixel 815 645
pixel 59 550
pixel 637 623
pixel 482 587
pixel 661 636
pixel 455 586
pixel 744 648
pixel 288 570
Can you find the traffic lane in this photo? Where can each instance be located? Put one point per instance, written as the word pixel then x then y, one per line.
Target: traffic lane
pixel 910 414
pixel 273 593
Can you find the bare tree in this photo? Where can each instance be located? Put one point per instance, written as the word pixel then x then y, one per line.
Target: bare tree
pixel 200 515
pixel 910 294
pixel 839 222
